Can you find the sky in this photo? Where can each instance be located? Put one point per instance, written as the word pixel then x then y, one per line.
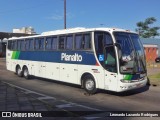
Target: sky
pixel 47 15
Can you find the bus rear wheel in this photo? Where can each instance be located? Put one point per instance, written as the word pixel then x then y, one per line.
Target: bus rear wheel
pixel 26 73
pixel 89 84
pixel 19 71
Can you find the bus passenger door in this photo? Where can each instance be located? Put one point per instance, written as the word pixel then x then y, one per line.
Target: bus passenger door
pixel 105 51
pixel 110 66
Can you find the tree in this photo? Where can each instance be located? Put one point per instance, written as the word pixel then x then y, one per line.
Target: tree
pixel 145 30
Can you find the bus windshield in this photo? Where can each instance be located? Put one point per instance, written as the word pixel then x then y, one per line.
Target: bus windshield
pixel 132 53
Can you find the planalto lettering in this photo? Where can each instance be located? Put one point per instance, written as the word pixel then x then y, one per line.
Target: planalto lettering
pixel 75 57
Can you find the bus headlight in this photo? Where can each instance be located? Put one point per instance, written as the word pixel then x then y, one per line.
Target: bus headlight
pixel 125 81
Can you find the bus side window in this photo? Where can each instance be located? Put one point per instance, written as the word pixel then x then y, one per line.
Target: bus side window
pixel 48 43
pixel 22 45
pixel 14 45
pixel 39 44
pixel 51 43
pixel 61 43
pixel 99 43
pixel 10 45
pixel 19 45
pixel 78 41
pixel 31 44
pixel 27 44
pixel 83 41
pixel 54 43
pixel 69 43
pixel 86 42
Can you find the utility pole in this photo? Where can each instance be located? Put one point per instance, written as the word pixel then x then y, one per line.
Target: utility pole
pixel 64 14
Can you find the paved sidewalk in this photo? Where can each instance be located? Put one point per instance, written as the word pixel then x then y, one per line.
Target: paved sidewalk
pixel 13 99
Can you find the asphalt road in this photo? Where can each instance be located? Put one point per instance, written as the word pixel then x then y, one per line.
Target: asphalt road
pixel 144 99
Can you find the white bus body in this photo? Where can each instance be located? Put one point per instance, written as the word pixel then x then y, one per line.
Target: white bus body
pixel 94 58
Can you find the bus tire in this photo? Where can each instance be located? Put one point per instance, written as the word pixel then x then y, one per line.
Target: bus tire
pixel 89 84
pixel 19 71
pixel 26 73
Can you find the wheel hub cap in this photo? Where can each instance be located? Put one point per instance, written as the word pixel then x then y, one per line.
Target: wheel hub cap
pixel 89 84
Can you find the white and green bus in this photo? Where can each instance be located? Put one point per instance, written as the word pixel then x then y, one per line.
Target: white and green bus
pixel 96 58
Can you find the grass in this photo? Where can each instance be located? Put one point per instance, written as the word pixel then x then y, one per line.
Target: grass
pixel 154 79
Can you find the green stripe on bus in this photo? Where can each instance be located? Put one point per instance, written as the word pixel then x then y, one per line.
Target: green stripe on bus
pixel 128 77
pixel 15 54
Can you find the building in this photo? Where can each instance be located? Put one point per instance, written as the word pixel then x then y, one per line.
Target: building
pixel 26 30
pixel 151 52
pixel 6 35
pixel 151 48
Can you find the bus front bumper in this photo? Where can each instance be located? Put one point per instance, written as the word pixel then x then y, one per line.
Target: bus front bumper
pixel 132 85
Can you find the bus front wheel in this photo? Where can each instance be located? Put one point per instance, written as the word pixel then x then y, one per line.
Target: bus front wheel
pixel 89 84
pixel 26 73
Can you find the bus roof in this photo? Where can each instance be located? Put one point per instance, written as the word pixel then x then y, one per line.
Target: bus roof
pixel 73 30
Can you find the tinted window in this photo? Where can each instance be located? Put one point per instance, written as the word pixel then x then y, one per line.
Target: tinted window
pixel 83 41
pixel 29 44
pixel 61 42
pixel 69 42
pixel 22 45
pixel 78 41
pixel 9 45
pixel 102 39
pixel 87 42
pixel 107 39
pixel 39 44
pixel 36 45
pixel 51 43
pixel 14 45
pixel 18 45
pixel 103 43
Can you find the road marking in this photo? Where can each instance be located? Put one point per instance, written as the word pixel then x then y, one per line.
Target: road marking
pixel 79 105
pixel 46 97
pixel 28 91
pixel 91 118
pixel 64 105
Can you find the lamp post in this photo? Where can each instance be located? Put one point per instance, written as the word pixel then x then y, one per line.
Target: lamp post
pixel 64 14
